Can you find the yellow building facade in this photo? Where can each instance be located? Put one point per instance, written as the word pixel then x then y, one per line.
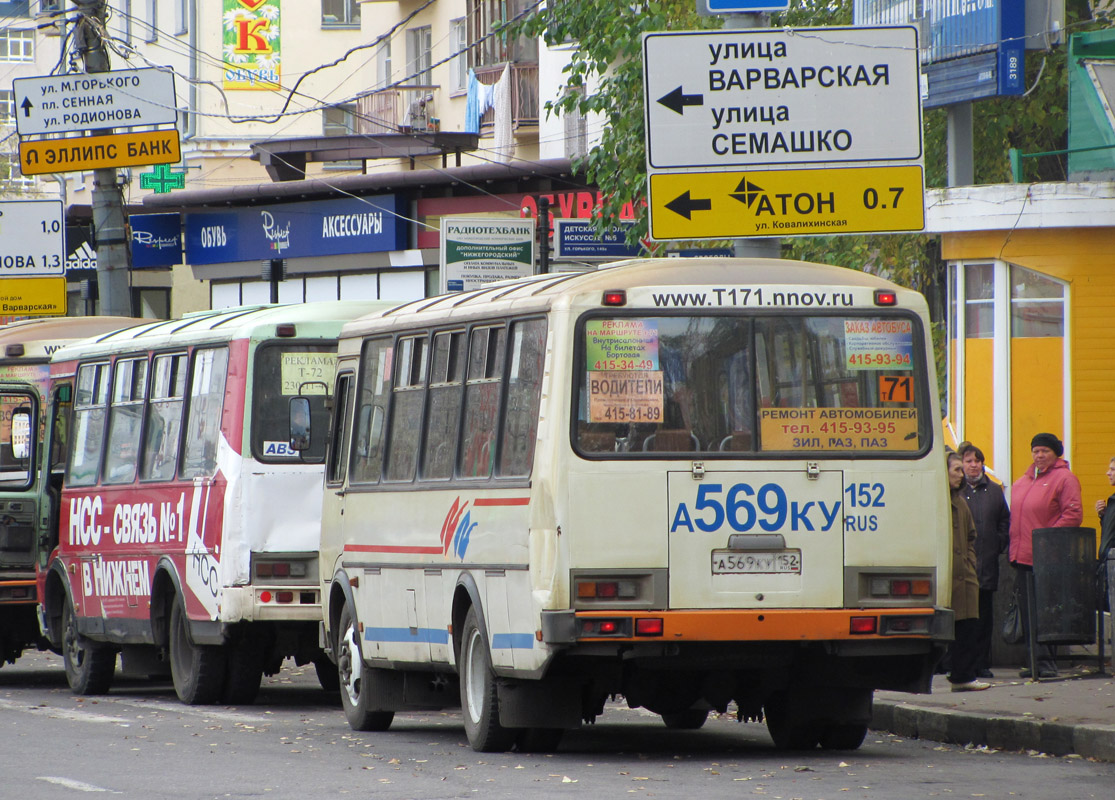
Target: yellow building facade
pixel 1031 347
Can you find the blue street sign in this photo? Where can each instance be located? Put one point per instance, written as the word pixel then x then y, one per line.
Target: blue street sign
pixel 740 6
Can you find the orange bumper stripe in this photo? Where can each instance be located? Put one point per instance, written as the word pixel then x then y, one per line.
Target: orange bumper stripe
pixel 754 625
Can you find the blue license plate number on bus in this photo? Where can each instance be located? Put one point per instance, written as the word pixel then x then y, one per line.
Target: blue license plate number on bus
pixel 736 562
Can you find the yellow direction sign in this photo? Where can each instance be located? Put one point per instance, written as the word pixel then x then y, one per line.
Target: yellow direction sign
pixel 74 154
pixel 32 297
pixel 790 202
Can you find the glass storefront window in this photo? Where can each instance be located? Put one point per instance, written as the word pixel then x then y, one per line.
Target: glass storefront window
pixel 1037 304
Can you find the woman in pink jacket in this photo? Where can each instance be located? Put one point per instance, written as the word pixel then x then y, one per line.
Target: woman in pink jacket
pixel 1046 496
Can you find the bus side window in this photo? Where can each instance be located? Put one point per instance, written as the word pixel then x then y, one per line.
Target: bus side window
pixel 164 418
pixel 444 405
pixel 203 419
pixel 524 386
pixel 337 462
pixel 482 396
pixel 409 395
pixel 375 373
pixel 89 425
pixel 129 389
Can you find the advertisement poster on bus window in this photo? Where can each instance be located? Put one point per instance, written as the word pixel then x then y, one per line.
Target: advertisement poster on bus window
pixel 625 382
pixel 476 251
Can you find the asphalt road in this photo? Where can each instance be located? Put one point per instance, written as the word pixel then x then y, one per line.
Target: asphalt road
pixel 140 742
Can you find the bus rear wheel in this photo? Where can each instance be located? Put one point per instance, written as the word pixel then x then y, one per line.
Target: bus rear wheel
pixel 198 671
pixel 479 696
pixel 89 665
pixel 789 725
pixel 843 737
pixel 353 678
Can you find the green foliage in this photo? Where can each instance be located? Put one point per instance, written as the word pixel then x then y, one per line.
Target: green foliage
pixel 608 58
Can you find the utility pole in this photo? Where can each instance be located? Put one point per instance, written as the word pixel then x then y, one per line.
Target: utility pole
pixel 110 223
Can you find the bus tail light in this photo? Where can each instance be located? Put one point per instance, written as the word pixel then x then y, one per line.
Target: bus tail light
pixel 607 590
pixel 863 625
pixel 616 297
pixel 605 628
pixel 901 588
pixel 649 626
pixel 884 297
pixel 627 589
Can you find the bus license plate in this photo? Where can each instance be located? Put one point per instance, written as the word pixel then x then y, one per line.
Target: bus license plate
pixel 735 562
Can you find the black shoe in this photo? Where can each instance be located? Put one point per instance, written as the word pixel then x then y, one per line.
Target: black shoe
pixel 1043 672
pixel 984 673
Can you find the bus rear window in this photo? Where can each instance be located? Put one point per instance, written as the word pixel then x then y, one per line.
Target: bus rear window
pixel 282 372
pixel 847 384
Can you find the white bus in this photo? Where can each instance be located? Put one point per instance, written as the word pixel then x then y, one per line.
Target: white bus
pixel 187 526
pixel 698 485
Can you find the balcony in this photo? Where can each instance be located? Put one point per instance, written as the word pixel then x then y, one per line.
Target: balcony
pixel 399 109
pixel 524 94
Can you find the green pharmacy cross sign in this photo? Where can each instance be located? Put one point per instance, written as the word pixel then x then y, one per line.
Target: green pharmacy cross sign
pixel 163 179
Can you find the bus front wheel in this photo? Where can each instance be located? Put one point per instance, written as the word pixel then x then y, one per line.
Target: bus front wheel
pixel 479 696
pixel 198 671
pixel 353 677
pixel 89 665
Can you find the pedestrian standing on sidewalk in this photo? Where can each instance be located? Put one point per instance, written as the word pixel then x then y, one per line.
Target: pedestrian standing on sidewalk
pixel 963 652
pixel 1046 496
pixel 1106 564
pixel 992 517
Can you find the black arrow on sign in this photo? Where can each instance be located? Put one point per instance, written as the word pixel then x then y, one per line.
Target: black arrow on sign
pixel 685 205
pixel 676 101
pixel 26 106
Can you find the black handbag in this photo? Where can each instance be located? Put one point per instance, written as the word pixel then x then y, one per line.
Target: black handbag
pixel 1012 632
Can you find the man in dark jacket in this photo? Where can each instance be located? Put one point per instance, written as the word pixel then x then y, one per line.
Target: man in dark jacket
pixel 992 517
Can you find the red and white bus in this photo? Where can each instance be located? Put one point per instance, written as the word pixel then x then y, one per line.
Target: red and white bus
pixel 188 526
pixel 25 350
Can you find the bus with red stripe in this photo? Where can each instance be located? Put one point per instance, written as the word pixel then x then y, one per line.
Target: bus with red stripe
pixel 699 485
pixel 25 350
pixel 187 525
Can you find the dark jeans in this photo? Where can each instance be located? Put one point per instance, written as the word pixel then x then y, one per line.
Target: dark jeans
pixel 1043 655
pixel 963 652
pixel 1111 598
pixel 986 629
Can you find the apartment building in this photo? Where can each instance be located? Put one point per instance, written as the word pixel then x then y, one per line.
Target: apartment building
pixel 319 101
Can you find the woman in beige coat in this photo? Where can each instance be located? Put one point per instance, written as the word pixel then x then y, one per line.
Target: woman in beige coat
pixel 964 650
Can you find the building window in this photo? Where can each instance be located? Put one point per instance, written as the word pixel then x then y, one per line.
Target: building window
pixel 338 13
pixel 17 45
pixel 7 107
pixel 485 48
pixel 126 22
pixel 383 65
pixel 50 6
pixel 458 46
pixel 1037 304
pixel 340 121
pixel 419 56
pixel 152 33
pixel 181 17
pixel 979 301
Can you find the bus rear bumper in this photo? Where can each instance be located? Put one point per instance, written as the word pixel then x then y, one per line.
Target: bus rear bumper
pixel 748 625
pixel 271 604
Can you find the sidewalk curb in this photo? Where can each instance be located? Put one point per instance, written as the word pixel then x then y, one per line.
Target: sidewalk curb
pixel 1000 731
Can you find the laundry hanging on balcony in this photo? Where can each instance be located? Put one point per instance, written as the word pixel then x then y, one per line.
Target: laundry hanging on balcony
pixel 478 101
pixel 504 144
